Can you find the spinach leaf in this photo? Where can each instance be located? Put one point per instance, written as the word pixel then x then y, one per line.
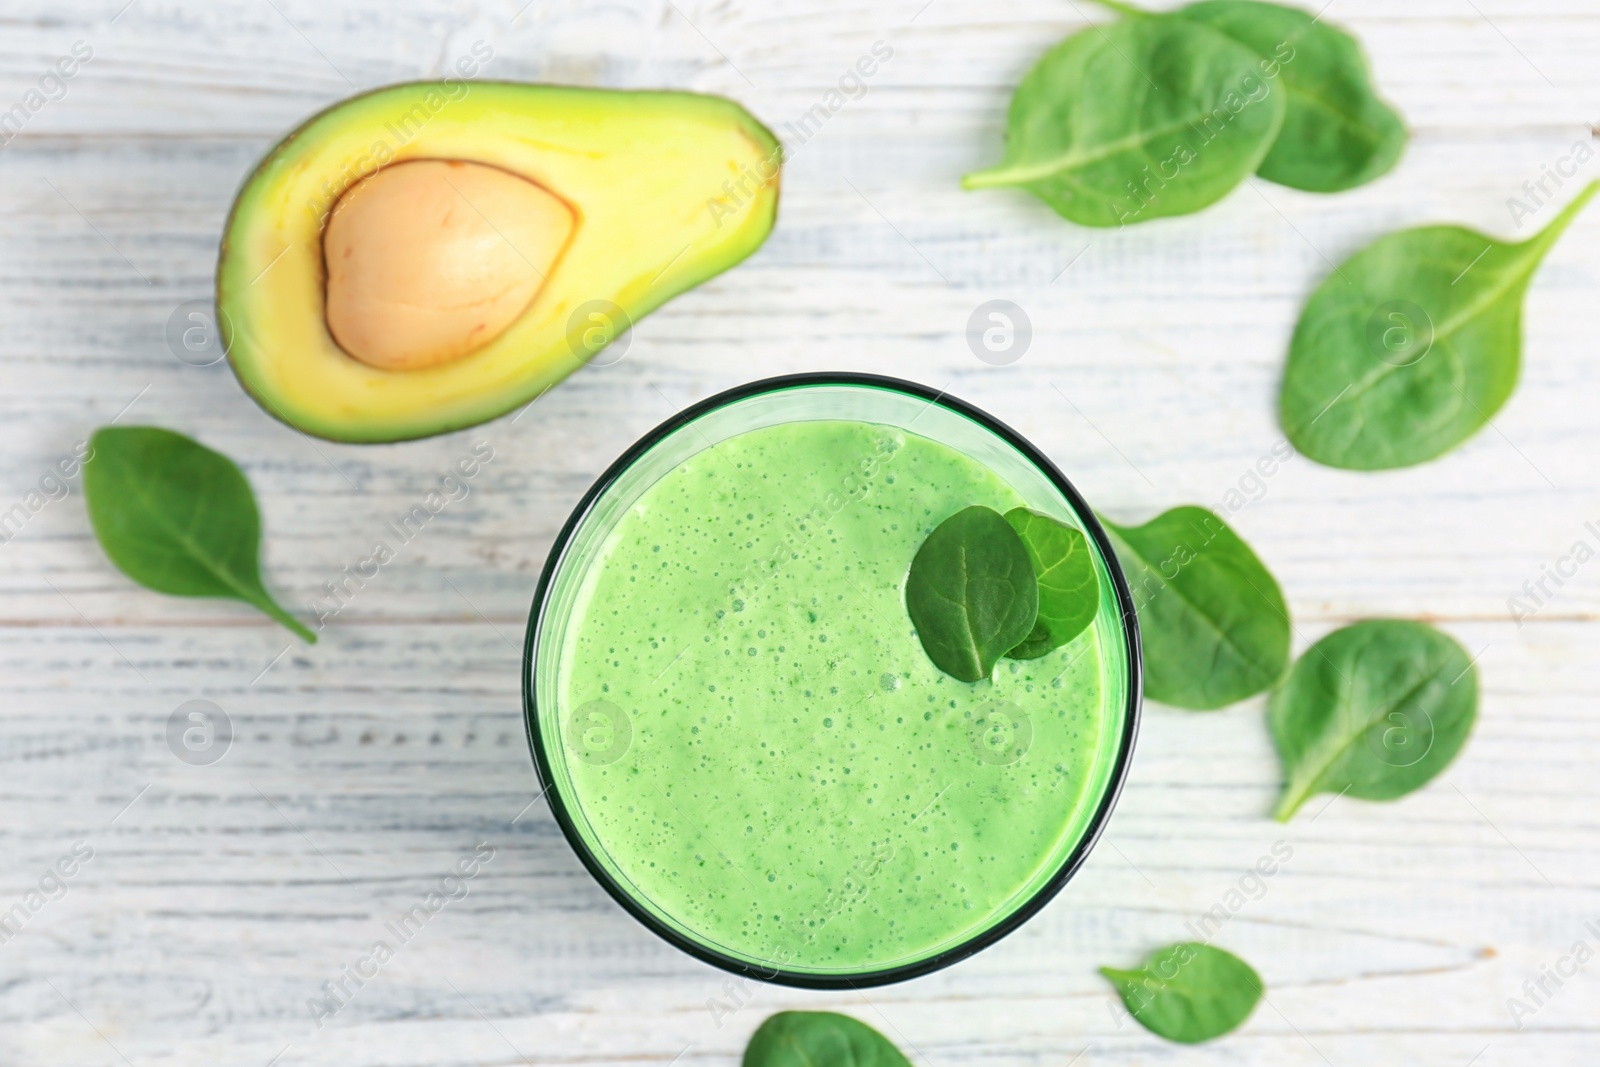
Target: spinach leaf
pixel 1212 620
pixel 1069 588
pixel 1189 992
pixel 971 593
pixel 1375 710
pixel 1144 118
pixel 1411 346
pixel 177 517
pixel 819 1039
pixel 1337 134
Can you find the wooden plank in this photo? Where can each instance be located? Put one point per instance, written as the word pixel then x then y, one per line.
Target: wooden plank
pixel 248 69
pixel 360 774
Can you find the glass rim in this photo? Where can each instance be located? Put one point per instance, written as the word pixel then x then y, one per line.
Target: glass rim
pixel 978 941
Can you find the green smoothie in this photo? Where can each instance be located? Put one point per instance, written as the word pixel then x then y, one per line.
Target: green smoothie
pixel 757 745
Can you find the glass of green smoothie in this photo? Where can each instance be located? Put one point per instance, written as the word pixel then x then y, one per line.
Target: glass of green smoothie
pixel 737 727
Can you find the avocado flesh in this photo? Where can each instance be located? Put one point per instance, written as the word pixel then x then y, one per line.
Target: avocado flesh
pixel 666 187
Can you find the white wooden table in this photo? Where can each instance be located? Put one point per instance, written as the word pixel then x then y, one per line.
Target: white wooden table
pixel 219 898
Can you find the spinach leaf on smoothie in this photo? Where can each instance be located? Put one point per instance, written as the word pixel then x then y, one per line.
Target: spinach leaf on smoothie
pixel 1374 710
pixel 1212 620
pixel 1069 588
pixel 971 593
pixel 819 1039
pixel 1188 992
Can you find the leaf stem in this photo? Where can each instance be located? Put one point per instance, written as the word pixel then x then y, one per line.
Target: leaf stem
pixel 1003 175
pixel 1293 800
pixel 294 625
pixel 1548 236
pixel 993 178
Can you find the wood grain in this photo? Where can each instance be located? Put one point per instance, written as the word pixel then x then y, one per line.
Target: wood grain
pixel 221 898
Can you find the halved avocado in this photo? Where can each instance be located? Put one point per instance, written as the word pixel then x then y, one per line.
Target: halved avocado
pixel 661 191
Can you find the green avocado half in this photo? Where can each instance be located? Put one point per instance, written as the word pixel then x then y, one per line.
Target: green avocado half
pixel 663 190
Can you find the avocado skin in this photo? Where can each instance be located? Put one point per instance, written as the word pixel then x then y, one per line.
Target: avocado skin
pixel 289 364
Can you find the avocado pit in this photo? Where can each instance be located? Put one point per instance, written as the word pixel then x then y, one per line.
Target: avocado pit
pixel 429 260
